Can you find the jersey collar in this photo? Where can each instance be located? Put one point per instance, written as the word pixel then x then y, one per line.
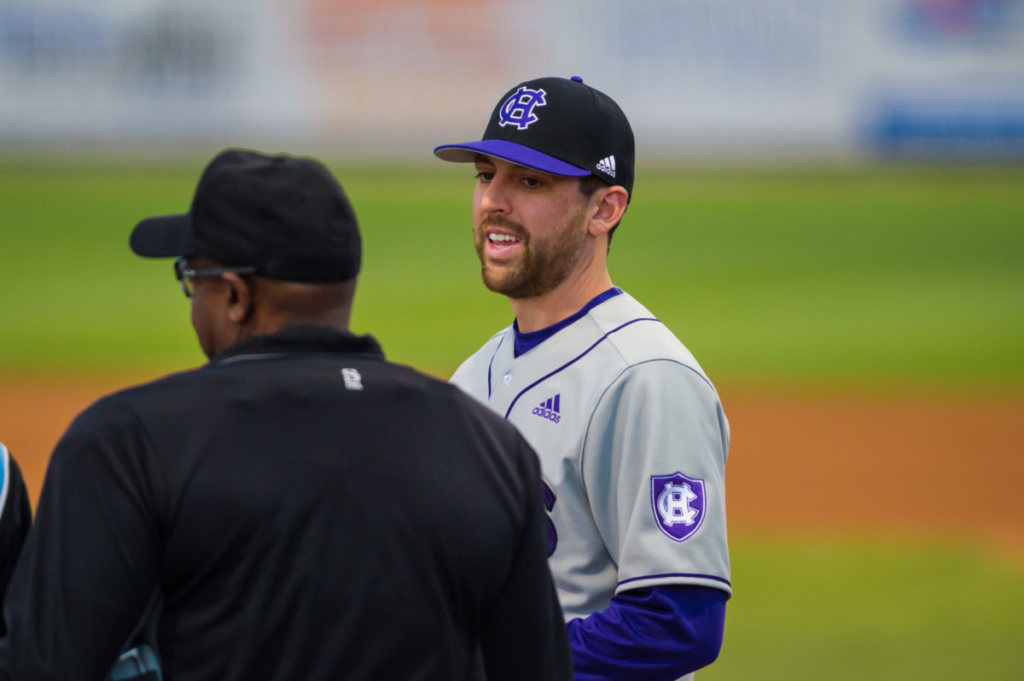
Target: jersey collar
pixel 524 342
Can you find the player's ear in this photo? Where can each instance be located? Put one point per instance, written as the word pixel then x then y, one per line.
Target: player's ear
pixel 240 298
pixel 609 207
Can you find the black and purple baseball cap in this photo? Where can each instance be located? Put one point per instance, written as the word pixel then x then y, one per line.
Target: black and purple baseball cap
pixel 559 126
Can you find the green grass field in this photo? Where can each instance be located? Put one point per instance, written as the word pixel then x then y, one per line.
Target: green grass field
pixel 878 277
pixel 852 276
pixel 843 610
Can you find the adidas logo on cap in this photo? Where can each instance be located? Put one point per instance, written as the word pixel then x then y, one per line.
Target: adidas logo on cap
pixel 607 165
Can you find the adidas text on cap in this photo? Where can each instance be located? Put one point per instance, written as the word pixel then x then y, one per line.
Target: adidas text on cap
pixel 559 126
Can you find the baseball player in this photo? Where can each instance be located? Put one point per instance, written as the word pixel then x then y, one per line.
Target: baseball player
pixel 15 519
pixel 302 509
pixel 631 433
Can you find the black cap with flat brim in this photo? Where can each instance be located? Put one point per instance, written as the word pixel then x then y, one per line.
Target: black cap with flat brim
pixel 559 126
pixel 284 216
pixel 167 236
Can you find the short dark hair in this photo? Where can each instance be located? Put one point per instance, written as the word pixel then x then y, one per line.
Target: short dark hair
pixel 589 185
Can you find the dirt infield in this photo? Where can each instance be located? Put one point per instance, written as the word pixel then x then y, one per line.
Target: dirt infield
pixel 949 467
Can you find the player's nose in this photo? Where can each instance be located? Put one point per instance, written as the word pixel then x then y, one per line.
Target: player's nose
pixel 494 197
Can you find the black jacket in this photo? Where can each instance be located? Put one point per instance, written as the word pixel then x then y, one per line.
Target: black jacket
pixel 15 519
pixel 305 510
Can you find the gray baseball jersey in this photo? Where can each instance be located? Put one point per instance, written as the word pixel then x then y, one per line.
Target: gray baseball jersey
pixel 632 440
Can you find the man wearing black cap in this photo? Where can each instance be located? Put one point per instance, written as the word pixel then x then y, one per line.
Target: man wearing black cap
pixel 631 433
pixel 299 508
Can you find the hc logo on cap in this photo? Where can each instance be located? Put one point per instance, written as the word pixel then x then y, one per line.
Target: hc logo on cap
pixel 518 109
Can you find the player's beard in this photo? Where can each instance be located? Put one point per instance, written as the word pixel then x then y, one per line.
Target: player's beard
pixel 542 265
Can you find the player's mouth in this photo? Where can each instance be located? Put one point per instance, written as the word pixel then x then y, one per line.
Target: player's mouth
pixel 500 244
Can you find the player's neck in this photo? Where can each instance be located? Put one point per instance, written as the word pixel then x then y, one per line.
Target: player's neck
pixel 540 312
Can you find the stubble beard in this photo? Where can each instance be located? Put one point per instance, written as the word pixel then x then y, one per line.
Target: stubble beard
pixel 541 268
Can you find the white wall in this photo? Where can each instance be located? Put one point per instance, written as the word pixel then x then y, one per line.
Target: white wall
pixel 696 77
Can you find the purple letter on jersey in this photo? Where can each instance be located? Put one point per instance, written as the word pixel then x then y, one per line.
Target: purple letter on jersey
pixel 549 504
pixel 678 503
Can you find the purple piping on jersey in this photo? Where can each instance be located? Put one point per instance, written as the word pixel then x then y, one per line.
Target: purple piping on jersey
pixel 574 360
pixel 490 365
pixel 677 574
pixel 528 341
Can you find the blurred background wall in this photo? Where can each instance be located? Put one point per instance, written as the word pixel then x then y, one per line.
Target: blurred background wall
pixel 699 78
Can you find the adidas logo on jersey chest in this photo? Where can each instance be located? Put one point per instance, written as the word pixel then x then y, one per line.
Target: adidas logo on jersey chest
pixel 550 409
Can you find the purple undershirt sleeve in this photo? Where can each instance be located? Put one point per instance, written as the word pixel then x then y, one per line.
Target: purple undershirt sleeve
pixel 656 634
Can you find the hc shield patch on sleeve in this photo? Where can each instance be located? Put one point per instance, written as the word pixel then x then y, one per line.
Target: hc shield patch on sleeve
pixel 679 503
